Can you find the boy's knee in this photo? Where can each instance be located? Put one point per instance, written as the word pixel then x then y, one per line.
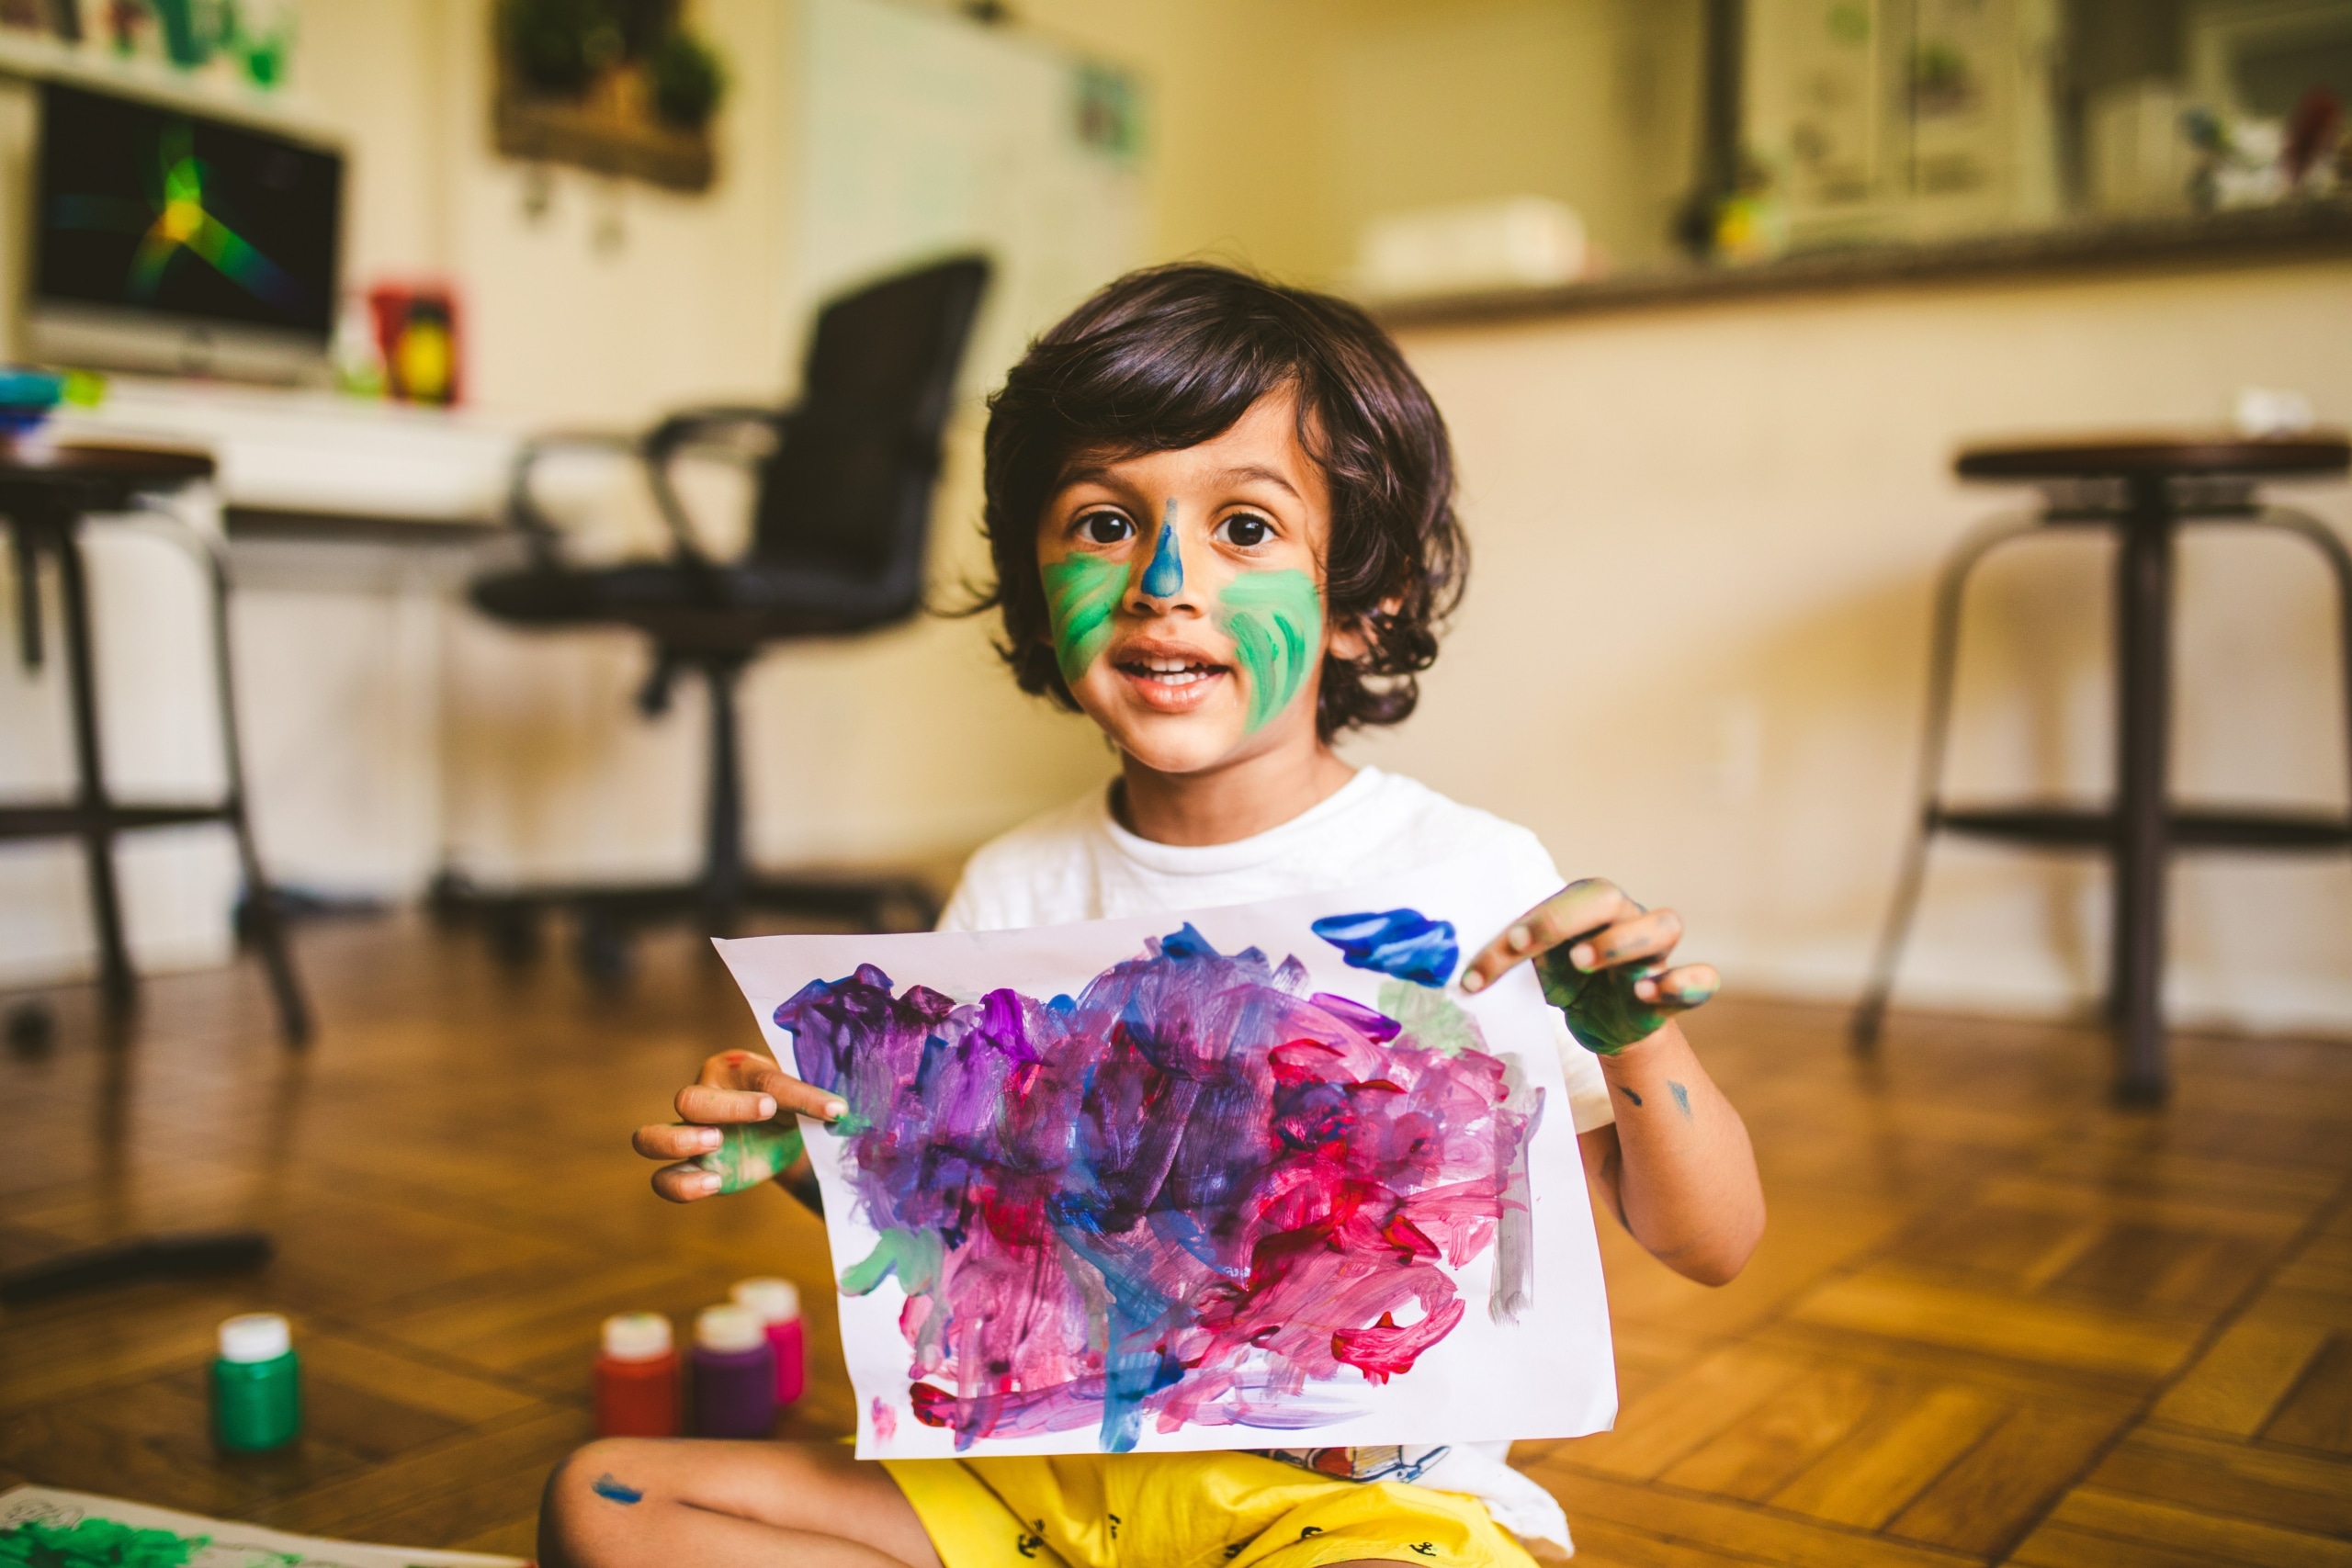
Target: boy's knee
pixel 586 1498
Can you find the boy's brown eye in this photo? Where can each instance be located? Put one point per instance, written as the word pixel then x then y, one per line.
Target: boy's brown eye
pixel 1105 527
pixel 1246 532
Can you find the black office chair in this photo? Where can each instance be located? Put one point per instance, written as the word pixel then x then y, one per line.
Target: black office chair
pixel 841 517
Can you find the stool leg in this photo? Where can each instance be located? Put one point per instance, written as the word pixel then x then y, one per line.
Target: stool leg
pixel 116 979
pixel 267 930
pixel 2144 678
pixel 1943 665
pixel 2339 558
pixel 28 637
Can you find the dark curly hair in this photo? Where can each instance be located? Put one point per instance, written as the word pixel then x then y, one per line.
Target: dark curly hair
pixel 1172 356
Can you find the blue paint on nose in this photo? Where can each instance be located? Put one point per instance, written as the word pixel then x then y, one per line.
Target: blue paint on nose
pixel 1164 578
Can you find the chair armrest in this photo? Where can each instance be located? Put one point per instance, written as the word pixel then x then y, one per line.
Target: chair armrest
pixel 690 428
pixel 522 511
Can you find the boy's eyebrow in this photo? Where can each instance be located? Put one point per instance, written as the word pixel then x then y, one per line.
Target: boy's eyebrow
pixel 1101 473
pixel 1257 471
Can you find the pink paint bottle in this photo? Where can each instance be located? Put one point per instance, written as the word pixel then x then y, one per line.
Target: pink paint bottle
pixel 777 1304
pixel 734 1374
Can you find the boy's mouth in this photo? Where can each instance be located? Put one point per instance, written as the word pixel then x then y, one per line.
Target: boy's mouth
pixel 1172 684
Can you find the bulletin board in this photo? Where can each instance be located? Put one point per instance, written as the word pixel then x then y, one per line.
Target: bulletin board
pixel 926 132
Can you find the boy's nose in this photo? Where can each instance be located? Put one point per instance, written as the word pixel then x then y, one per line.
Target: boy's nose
pixel 1163 576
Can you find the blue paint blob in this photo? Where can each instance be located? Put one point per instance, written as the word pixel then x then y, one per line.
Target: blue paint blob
pixel 1682 1098
pixel 1164 578
pixel 607 1486
pixel 1398 941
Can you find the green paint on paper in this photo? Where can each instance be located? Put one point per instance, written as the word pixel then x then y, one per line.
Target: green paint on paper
pixel 752 1153
pixel 1275 619
pixel 104 1543
pixel 914 1256
pixel 1603 1013
pixel 1082 592
pixel 1432 1016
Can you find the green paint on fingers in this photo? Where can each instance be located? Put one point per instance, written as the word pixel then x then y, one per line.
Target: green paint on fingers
pixel 1275 619
pixel 1082 593
pixel 1603 1013
pixel 752 1153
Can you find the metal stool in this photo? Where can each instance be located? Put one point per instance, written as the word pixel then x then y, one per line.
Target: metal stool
pixel 45 492
pixel 2143 489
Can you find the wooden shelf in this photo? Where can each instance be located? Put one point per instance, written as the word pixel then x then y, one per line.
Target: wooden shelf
pixel 35 57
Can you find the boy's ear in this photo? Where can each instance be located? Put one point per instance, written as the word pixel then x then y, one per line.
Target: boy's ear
pixel 1352 639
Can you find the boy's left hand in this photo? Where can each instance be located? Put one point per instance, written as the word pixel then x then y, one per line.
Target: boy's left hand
pixel 1601 958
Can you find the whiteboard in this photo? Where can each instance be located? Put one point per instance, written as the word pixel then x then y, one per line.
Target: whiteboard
pixel 928 134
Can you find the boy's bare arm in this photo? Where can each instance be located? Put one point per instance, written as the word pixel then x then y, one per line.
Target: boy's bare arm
pixel 1677 1167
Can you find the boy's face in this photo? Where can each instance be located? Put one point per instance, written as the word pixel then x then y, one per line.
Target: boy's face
pixel 1185 590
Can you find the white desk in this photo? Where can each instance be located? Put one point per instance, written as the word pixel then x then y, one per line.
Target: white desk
pixel 350 524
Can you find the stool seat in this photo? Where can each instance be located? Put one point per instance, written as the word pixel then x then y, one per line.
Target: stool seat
pixel 2159 456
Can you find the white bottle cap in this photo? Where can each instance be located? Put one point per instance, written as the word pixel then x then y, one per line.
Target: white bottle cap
pixel 255 1336
pixel 637 1337
pixel 776 1300
pixel 729 1329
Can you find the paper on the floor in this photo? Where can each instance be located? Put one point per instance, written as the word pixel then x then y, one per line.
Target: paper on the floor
pixel 70 1529
pixel 1246 1177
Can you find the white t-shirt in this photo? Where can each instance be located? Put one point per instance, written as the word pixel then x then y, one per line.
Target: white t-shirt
pixel 1077 863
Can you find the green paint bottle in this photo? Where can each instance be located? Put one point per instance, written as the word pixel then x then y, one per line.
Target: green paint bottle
pixel 256 1384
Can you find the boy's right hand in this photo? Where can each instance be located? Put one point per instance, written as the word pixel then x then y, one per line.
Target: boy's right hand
pixel 735 1087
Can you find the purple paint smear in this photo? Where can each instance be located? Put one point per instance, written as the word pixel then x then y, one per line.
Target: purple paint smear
pixel 1185 1196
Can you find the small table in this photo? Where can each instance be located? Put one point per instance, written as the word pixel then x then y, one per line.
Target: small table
pixel 2143 487
pixel 45 493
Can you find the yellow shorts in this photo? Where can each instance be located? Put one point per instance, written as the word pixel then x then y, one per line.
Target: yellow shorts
pixel 1193 1510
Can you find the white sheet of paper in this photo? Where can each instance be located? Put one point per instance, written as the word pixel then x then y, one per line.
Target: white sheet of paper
pixel 1165 1202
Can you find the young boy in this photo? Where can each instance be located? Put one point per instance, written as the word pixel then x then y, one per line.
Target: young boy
pixel 1221 514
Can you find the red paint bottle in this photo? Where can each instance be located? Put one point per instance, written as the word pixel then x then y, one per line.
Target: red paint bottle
pixel 777 1303
pixel 636 1378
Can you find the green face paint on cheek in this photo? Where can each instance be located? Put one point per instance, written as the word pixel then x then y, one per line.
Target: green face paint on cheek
pixel 1081 593
pixel 1275 619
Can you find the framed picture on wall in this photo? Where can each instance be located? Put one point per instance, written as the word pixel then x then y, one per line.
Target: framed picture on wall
pixel 623 87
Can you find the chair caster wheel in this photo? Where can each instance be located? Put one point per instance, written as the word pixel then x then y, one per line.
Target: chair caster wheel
pixel 601 952
pixel 32 1029
pixel 515 938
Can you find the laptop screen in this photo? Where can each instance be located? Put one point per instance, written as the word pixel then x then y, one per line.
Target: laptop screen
pixel 153 210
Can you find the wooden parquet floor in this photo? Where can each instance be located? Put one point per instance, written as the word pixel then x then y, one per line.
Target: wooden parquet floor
pixel 1992 1320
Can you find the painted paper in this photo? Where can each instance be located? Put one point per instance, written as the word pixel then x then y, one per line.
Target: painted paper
pixel 44 1528
pixel 1250 1177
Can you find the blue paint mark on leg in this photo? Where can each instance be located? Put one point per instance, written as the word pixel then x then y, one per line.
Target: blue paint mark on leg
pixel 1629 1094
pixel 1399 943
pixel 607 1487
pixel 1164 578
pixel 1682 1098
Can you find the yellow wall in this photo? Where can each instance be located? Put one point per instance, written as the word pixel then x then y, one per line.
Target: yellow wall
pixel 1694 654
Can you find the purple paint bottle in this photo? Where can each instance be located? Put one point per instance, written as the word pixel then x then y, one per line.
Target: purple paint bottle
pixel 734 1374
pixel 778 1303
